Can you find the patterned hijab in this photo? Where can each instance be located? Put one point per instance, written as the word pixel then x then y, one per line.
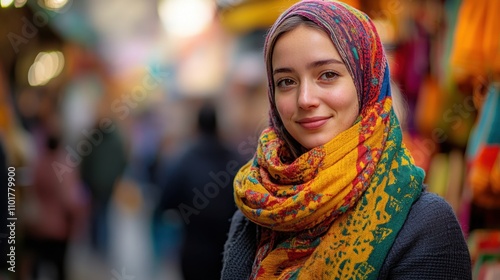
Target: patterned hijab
pixel 335 210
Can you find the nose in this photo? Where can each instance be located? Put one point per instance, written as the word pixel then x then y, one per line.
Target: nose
pixel 307 98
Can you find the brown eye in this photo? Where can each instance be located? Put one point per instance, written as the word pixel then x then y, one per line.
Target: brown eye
pixel 283 83
pixel 328 75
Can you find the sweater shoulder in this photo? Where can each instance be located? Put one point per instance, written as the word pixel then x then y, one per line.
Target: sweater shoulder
pixel 430 209
pixel 430 220
pixel 240 248
pixel 430 244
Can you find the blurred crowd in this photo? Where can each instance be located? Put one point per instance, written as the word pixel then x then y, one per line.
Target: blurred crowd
pixel 126 122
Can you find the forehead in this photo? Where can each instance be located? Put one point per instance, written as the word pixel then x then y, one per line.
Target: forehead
pixel 303 42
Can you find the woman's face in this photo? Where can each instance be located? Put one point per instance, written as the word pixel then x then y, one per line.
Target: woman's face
pixel 314 93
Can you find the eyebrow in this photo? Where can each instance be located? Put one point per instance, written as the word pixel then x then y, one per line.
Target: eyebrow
pixel 314 64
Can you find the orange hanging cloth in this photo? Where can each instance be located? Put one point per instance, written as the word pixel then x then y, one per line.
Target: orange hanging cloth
pixel 476 47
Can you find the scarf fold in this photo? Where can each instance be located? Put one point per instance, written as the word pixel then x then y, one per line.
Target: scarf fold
pixel 334 211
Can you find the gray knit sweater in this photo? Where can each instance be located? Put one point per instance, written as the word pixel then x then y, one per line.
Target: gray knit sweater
pixel 430 245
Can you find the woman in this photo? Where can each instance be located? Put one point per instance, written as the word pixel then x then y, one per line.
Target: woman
pixel 331 192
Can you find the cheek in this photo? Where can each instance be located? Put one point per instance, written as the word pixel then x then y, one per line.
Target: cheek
pixel 348 103
pixel 285 108
pixel 354 114
pixel 351 111
pixel 345 100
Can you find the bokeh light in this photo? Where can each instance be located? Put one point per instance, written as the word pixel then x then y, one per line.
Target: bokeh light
pixel 47 65
pixel 185 18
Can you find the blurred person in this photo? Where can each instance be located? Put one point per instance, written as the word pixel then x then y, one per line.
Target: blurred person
pixel 100 171
pixel 97 145
pixel 199 184
pixel 17 152
pixel 54 207
pixel 483 159
pixel 332 192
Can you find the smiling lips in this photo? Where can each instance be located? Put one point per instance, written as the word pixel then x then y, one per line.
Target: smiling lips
pixel 313 123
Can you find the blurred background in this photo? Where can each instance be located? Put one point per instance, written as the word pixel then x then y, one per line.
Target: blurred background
pixel 126 121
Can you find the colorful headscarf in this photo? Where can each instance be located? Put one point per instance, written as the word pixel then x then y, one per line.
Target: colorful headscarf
pixel 334 212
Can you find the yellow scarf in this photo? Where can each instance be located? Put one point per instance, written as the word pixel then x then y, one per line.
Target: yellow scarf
pixel 335 210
